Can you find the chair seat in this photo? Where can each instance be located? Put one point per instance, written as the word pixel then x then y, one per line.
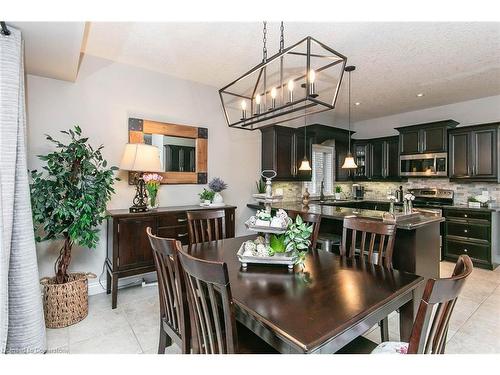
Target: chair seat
pixel 391 347
pixel 250 343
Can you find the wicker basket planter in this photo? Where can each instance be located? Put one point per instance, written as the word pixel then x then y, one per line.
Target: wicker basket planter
pixel 65 304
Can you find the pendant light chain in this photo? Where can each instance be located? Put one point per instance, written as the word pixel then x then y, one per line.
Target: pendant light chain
pixel 349 111
pixel 282 37
pixel 264 41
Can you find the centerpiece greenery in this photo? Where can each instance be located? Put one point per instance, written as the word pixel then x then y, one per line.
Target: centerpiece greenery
pixel 69 196
pixel 206 195
pixel 298 239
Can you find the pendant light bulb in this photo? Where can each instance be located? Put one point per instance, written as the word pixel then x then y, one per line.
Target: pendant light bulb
pixel 243 105
pixel 290 85
pixel 273 93
pixel 257 99
pixel 312 76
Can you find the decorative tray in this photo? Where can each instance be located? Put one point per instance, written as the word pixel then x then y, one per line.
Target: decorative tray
pixel 265 229
pixel 279 259
pixel 261 197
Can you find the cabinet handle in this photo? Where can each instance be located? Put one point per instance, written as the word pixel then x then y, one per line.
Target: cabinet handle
pixel 465 230
pixel 465 250
pixel 182 235
pixel 181 220
pixel 465 215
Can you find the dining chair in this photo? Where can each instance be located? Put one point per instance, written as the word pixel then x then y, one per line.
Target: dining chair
pixel 430 328
pixel 174 314
pixel 380 248
pixel 309 219
pixel 212 309
pixel 206 225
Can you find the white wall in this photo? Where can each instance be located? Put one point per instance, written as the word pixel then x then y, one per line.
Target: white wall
pixel 471 112
pixel 102 99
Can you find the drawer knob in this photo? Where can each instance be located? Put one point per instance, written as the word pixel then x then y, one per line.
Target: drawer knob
pixel 465 250
pixel 465 231
pixel 465 215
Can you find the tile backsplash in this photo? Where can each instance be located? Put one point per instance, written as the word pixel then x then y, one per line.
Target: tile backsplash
pixel 378 190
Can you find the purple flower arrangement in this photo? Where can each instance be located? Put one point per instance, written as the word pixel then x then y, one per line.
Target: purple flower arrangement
pixel 217 185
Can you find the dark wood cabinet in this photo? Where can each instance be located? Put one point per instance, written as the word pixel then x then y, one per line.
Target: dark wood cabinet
pixel 469 232
pixel 473 153
pixel 425 138
pixel 283 151
pixel 128 250
pixel 377 159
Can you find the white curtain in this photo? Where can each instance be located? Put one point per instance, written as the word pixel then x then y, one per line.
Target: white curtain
pixel 22 328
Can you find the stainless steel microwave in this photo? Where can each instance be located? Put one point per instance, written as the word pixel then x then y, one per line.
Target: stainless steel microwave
pixel 423 165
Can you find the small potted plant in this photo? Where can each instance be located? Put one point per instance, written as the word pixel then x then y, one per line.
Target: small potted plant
pixel 298 239
pixel 217 185
pixel 338 190
pixel 68 201
pixel 152 181
pixel 261 186
pixel 206 196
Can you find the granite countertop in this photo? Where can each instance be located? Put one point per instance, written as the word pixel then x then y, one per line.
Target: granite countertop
pixel 338 213
pixel 331 201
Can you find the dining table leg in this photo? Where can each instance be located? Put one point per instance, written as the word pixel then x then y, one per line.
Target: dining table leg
pixel 406 317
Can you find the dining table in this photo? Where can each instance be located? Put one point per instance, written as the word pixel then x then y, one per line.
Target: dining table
pixel 318 308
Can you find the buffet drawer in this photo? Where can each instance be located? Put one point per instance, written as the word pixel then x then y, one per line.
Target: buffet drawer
pixel 179 233
pixel 172 219
pixel 477 251
pixel 468 230
pixel 468 214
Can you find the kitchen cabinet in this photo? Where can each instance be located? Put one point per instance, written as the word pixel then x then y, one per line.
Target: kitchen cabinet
pixel 469 232
pixel 128 251
pixel 425 138
pixel 473 153
pixel 377 159
pixel 283 151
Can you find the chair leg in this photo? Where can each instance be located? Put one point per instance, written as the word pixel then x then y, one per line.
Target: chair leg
pixel 164 341
pixel 384 329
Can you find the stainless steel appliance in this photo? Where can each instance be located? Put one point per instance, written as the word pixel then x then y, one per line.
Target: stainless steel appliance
pixel 358 191
pixel 432 197
pixel 424 165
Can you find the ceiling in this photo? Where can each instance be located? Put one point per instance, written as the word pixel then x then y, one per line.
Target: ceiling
pixel 447 62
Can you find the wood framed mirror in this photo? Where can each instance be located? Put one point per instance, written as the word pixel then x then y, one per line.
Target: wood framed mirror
pixel 183 149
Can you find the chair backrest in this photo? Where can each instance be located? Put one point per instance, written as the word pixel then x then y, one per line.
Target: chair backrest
pixel 439 295
pixel 210 304
pixel 207 225
pixel 379 233
pixel 173 304
pixel 310 219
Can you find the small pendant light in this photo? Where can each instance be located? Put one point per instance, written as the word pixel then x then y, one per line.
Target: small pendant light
pixel 305 165
pixel 349 162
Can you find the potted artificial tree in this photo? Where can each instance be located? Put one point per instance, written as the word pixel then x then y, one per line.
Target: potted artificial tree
pixel 69 202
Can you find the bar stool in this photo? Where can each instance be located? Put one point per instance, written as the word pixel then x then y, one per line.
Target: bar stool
pixel 326 241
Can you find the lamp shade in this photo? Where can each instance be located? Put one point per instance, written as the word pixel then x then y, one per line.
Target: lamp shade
pixel 305 165
pixel 349 162
pixel 141 158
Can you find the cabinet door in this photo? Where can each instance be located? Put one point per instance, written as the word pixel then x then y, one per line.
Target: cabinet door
pixel 285 153
pixel 409 141
pixel 134 248
pixel 484 149
pixel 434 139
pixel 361 153
pixel 392 158
pixel 377 160
pixel 459 155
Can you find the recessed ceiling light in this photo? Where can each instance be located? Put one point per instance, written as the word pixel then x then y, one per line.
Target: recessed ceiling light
pixel 357 103
pixel 420 94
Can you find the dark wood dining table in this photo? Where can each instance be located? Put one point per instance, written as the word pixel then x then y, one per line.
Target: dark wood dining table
pixel 320 309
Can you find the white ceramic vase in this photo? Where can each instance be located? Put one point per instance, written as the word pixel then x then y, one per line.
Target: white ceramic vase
pixel 218 198
pixel 337 196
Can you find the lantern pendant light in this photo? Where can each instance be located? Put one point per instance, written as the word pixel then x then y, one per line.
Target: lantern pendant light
pixel 349 162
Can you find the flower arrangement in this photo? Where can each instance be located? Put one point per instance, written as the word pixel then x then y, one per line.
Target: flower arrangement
pixel 152 181
pixel 217 185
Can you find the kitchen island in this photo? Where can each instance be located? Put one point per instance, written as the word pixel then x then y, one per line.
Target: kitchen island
pixel 417 242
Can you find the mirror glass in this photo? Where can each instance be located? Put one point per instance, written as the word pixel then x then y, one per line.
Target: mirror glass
pixel 177 154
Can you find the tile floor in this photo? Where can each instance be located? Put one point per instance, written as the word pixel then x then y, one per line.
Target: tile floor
pixel 133 327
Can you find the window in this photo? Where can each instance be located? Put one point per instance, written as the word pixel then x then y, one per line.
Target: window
pixel 322 170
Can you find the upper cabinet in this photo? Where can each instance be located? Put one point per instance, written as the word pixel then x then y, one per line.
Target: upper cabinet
pixel 473 153
pixel 377 159
pixel 283 150
pixel 425 138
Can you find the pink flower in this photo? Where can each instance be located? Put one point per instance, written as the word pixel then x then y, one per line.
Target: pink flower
pixel 152 178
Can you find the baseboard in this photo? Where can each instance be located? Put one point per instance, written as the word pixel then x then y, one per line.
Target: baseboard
pixel 96 288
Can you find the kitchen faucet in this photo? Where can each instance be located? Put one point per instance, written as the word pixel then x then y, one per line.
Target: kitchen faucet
pixel 322 194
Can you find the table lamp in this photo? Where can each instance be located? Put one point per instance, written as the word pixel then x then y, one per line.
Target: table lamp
pixel 140 158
